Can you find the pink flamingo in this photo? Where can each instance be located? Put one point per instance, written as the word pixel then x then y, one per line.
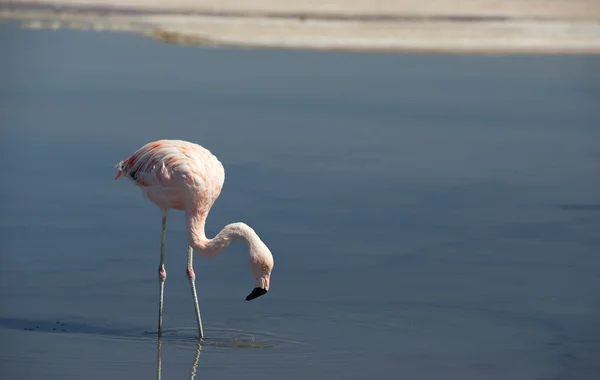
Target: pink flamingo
pixel 180 175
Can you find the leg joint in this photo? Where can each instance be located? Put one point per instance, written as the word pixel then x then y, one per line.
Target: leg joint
pixel 190 273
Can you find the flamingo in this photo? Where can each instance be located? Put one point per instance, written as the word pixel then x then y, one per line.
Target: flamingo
pixel 181 175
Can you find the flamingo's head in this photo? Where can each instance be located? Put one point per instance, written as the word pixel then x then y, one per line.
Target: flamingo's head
pixel 261 265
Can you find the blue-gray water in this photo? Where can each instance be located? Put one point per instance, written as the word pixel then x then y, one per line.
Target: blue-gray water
pixel 431 216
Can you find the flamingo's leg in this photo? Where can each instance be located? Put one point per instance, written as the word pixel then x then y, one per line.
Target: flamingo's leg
pixel 162 273
pixel 192 277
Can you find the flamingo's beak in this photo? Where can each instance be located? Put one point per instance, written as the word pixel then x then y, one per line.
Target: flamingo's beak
pixel 118 174
pixel 256 292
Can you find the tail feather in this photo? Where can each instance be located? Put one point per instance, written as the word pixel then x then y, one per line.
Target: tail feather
pixel 119 168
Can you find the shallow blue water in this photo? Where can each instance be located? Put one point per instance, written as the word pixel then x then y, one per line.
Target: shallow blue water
pixel 431 216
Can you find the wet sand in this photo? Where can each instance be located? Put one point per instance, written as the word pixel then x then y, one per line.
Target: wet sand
pixel 458 26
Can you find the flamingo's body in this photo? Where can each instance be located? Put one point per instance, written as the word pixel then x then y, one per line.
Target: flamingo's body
pixel 175 174
pixel 180 175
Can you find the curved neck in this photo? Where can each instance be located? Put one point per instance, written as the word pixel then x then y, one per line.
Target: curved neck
pixel 195 224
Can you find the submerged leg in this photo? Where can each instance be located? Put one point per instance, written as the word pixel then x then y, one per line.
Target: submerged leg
pixel 192 277
pixel 162 273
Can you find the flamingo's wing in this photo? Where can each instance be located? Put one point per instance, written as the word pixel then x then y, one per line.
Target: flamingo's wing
pixel 152 165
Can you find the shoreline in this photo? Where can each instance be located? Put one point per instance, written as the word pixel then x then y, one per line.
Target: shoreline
pixel 467 33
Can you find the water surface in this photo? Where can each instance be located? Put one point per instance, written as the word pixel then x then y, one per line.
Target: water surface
pixel 431 216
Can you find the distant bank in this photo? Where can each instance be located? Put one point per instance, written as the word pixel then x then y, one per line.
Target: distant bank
pixel 457 26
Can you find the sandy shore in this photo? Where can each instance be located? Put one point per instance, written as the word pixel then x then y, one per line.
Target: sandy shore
pixel 469 26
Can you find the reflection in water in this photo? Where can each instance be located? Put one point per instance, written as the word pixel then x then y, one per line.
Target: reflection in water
pixel 159 360
pixel 195 363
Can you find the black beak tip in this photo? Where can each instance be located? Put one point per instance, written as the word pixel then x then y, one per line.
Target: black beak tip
pixel 256 292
